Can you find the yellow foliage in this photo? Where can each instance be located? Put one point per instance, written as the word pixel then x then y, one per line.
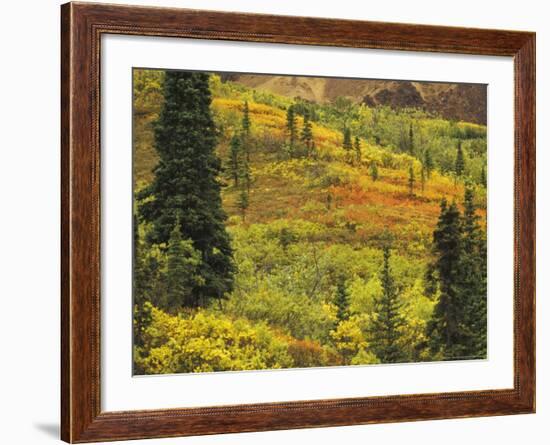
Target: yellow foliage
pixel 312 217
pixel 204 342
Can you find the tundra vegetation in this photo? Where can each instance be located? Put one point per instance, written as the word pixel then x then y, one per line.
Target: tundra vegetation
pixel 273 232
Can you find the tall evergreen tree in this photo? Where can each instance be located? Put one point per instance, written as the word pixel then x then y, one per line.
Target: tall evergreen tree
pixel 307 134
pixel 341 301
pixel 291 126
pixel 246 175
pixel 411 139
pixel 182 272
pixel 373 170
pixel 473 283
pixel 446 327
pixel 140 287
pixel 357 147
pixel 185 185
pixel 246 131
pixel 141 277
pixel 411 180
pixel 458 328
pixel 142 318
pixel 386 326
pixel 246 119
pixel 148 283
pixel 235 148
pixel 459 163
pixel 346 145
pixel 242 202
pixel 329 201
pixel 428 163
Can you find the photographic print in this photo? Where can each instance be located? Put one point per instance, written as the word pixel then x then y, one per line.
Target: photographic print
pixel 296 222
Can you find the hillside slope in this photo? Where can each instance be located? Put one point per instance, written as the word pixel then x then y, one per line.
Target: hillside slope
pixel 360 208
pixel 309 238
pixel 466 102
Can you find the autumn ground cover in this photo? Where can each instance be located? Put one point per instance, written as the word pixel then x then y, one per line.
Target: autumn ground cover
pixel 331 244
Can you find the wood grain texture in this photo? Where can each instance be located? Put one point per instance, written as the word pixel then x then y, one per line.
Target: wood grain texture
pixel 82 27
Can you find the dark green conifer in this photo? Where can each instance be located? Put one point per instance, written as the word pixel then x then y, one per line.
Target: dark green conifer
pixel 246 120
pixel 182 272
pixel 329 201
pixel 458 328
pixel 246 175
pixel 235 148
pixel 446 329
pixel 428 163
pixel 459 164
pixel 341 301
pixel 307 134
pixel 242 202
pixel 386 327
pixel 286 238
pixel 148 283
pixel 373 170
pixel 185 185
pixel 141 288
pixel 411 139
pixel 346 145
pixel 473 283
pixel 291 126
pixel 246 131
pixel 357 147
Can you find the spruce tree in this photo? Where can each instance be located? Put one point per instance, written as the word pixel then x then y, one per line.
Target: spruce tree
pixel 341 301
pixel 373 170
pixel 246 131
pixel 246 120
pixel 148 282
pixel 286 238
pixel 446 328
pixel 142 318
pixel 458 328
pixel 291 126
pixel 307 134
pixel 459 163
pixel 470 225
pixel 182 268
pixel 411 139
pixel 357 147
pixel 242 202
pixel 185 185
pixel 235 148
pixel 140 288
pixel 483 177
pixel 411 180
pixel 474 278
pixel 386 326
pixel 245 175
pixel 428 162
pixel 329 201
pixel 141 278
pixel 346 144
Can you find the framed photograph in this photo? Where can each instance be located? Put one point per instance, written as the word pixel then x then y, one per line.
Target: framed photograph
pixel 274 222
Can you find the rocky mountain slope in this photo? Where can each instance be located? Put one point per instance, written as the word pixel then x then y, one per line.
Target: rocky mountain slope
pixel 464 102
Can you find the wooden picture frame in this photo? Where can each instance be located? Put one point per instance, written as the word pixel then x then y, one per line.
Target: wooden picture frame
pixel 82 26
